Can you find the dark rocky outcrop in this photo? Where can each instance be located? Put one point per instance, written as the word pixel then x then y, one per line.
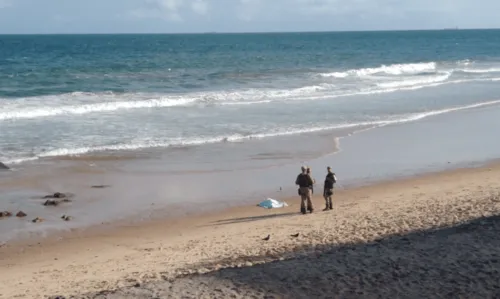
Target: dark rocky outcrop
pixel 56 199
pixel 55 202
pixel 37 220
pixel 5 214
pixel 51 202
pixel 21 214
pixel 56 195
pixel 3 167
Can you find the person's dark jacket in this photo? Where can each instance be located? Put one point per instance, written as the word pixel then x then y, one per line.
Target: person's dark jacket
pixel 329 180
pixel 304 180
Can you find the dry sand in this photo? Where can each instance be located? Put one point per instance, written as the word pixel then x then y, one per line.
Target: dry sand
pixel 432 236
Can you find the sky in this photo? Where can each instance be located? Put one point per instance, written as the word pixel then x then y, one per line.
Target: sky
pixel 188 16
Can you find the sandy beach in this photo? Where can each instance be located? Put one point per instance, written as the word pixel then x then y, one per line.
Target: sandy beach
pixel 434 235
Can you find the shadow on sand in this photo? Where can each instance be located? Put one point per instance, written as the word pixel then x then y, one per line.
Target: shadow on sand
pixel 253 218
pixel 454 262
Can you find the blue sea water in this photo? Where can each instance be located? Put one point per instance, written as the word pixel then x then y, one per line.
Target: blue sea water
pixel 77 94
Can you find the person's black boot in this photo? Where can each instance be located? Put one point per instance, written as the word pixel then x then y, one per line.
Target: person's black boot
pixel 303 210
pixel 330 204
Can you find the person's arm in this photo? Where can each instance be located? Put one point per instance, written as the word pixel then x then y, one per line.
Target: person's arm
pixel 297 180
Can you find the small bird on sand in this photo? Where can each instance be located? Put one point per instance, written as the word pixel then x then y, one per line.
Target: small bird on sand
pixel 267 238
pixel 295 236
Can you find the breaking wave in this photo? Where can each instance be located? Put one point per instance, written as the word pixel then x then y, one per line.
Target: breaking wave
pixel 354 82
pixel 201 140
pixel 394 69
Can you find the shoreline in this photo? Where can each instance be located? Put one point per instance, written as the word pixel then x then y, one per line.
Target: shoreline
pixel 160 184
pixel 115 226
pixel 109 153
pixel 206 243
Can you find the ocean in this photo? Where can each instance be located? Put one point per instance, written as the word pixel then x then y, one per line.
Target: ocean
pixel 179 119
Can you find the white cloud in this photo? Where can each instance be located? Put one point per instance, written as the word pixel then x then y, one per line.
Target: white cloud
pixel 172 10
pixel 243 15
pixel 336 7
pixel 157 9
pixel 248 9
pixel 200 7
pixel 371 7
pixel 335 13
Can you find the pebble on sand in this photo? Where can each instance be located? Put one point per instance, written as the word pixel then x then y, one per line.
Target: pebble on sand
pixel 66 217
pixel 37 220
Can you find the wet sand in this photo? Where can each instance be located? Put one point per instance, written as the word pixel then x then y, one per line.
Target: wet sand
pixel 434 235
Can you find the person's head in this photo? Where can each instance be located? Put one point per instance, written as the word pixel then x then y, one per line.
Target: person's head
pixel 308 169
pixel 329 169
pixel 303 168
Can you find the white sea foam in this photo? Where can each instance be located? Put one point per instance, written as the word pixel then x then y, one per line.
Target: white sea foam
pixel 240 137
pixel 393 69
pixel 364 81
pixel 32 109
pixel 481 71
pixel 97 107
pixel 416 82
pixel 389 87
pixel 416 68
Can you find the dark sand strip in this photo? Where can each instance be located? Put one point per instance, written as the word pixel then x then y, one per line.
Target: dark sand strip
pixel 455 262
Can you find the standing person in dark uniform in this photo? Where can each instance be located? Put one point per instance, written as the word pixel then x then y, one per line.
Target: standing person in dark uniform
pixel 330 180
pixel 304 181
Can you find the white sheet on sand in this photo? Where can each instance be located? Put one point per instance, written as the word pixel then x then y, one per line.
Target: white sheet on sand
pixel 270 203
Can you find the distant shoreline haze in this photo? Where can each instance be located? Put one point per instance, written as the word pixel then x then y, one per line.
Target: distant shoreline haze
pixel 253 32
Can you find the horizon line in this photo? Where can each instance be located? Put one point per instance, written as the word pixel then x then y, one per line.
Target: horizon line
pixel 255 32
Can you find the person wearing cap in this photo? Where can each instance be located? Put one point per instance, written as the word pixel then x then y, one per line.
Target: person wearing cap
pixel 304 181
pixel 330 180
